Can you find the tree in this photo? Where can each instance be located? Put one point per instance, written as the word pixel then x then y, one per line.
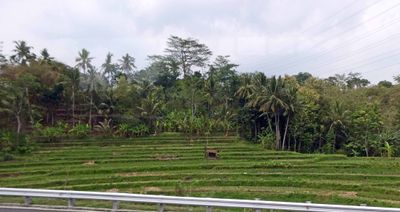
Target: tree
pixel 337 123
pixel 23 53
pixel 13 102
pixel 355 80
pixel 127 64
pixel 73 82
pixel 301 77
pixel 366 126
pixel 84 61
pixel 45 57
pixel 187 52
pixel 271 100
pixel 91 89
pixel 397 79
pixel 385 83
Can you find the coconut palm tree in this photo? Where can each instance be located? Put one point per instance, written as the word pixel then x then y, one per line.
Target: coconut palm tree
pixel 337 119
pixel 247 87
pixel 92 87
pixel 45 57
pixel 23 53
pixel 271 100
pixel 73 82
pixel 127 64
pixel 109 69
pixel 84 61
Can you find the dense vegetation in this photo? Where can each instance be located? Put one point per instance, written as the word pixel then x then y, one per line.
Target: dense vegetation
pixel 166 164
pixel 184 90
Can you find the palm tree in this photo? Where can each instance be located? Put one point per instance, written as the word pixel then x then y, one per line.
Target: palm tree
pixel 109 69
pixel 22 53
pixel 83 60
pixel 127 64
pixel 271 100
pixel 45 57
pixel 92 87
pixel 291 99
pixel 74 78
pixel 337 119
pixel 247 88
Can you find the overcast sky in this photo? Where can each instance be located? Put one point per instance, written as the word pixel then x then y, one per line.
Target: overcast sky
pixel 275 36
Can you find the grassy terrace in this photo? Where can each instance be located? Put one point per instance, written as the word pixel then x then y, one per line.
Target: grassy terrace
pixel 171 165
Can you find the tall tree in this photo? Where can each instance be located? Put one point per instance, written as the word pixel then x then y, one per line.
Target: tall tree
pixel 127 64
pixel 84 61
pixel 271 100
pixel 23 53
pixel 109 69
pixel 45 57
pixel 187 52
pixel 73 82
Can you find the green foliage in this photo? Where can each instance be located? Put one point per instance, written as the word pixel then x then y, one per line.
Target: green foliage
pixel 12 143
pixel 52 134
pixel 366 126
pixel 183 91
pixel 104 127
pixel 267 140
pixel 80 130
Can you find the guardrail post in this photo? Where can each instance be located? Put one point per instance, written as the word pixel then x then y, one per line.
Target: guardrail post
pixel 209 209
pixel 27 201
pixel 71 202
pixel 115 205
pixel 161 207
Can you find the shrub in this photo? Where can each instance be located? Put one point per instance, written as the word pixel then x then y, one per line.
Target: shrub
pixel 104 127
pixel 123 130
pixel 52 134
pixel 8 157
pixel 80 130
pixel 12 143
pixel 267 140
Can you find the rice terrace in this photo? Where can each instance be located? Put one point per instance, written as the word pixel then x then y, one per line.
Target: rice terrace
pixel 173 105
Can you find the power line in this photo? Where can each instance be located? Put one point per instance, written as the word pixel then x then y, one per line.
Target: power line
pixel 345 19
pixel 372 60
pixel 383 42
pixel 324 41
pixel 321 22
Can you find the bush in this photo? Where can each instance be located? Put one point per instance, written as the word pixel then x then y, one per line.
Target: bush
pixel 123 130
pixel 52 134
pixel 104 127
pixel 80 130
pixel 267 140
pixel 8 157
pixel 127 130
pixel 12 143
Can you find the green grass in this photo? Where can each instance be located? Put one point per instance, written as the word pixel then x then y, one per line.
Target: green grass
pixel 171 165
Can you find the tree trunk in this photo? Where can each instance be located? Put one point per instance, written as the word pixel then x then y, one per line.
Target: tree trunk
pixel 90 110
pixel 28 104
pixel 73 105
pixel 19 125
pixel 277 132
pixel 284 136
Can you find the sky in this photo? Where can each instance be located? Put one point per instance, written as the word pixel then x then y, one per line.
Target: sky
pixel 277 37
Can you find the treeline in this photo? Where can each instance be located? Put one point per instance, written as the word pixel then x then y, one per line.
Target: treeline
pixel 183 90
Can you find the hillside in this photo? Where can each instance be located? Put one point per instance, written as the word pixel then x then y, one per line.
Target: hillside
pixel 171 165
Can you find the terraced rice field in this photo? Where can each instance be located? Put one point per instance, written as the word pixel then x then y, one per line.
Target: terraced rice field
pixel 170 165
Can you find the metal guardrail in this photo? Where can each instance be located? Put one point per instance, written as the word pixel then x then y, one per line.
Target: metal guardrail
pixel 71 196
